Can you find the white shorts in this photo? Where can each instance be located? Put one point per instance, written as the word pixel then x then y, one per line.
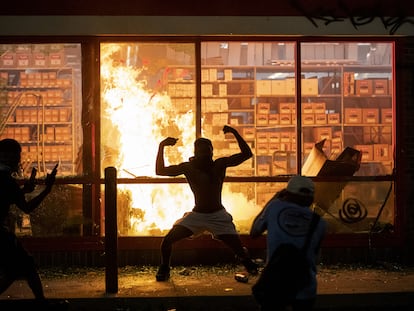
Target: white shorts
pixel 217 223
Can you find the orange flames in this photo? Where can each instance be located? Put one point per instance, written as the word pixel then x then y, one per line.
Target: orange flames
pixel 135 118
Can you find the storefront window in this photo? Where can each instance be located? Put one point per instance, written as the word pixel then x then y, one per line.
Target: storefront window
pixel 345 100
pixel 347 130
pixel 251 86
pixel 147 94
pixel 346 117
pixel 339 122
pixel 41 104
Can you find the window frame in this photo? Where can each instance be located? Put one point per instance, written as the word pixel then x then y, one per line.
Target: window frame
pixel 91 179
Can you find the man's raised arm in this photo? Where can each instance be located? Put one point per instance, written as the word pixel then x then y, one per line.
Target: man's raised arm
pixel 160 164
pixel 244 147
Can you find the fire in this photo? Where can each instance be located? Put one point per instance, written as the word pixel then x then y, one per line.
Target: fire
pixel 135 118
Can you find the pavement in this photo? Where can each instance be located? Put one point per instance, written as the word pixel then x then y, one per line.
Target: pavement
pixel 205 288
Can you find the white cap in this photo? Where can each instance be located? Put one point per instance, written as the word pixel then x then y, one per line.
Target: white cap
pixel 301 185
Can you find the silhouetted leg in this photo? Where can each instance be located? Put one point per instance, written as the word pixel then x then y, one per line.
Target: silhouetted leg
pixel 8 260
pixel 35 283
pixel 25 266
pixel 176 234
pixel 233 241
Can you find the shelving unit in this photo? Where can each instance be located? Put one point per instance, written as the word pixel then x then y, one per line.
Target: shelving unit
pixel 181 88
pixel 358 114
pixel 37 109
pixel 368 117
pixel 264 111
pixel 228 95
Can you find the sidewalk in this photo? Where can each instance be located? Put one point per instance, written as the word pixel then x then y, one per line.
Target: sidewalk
pixel 213 288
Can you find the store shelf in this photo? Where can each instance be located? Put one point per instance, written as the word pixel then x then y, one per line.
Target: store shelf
pixel 37 109
pixel 261 102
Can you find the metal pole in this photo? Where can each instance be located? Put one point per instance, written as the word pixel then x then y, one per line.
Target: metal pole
pixel 111 231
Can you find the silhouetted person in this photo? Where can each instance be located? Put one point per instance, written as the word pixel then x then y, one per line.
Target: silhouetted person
pixel 15 261
pixel 286 218
pixel 205 177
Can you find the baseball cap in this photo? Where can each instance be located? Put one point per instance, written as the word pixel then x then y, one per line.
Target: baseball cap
pixel 301 185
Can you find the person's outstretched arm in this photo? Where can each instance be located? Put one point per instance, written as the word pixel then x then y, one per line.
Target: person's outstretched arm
pixel 160 168
pixel 30 205
pixel 246 152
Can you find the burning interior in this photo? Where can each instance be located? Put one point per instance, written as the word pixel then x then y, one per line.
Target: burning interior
pixel 137 113
pixel 148 92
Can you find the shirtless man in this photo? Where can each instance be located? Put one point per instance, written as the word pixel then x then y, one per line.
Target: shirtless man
pixel 205 177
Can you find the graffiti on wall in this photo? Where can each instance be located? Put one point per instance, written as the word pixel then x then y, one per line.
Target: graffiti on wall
pixel 341 11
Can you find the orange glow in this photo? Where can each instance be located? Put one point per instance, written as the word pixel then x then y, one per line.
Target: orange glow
pixel 135 118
